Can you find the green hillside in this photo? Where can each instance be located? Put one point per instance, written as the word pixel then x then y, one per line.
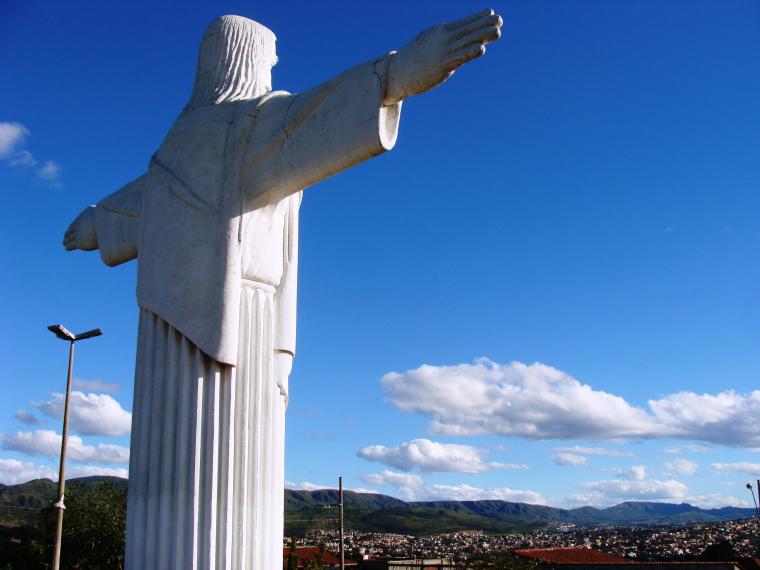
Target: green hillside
pixel 310 510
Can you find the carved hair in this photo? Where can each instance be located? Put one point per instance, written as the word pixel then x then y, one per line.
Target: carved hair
pixel 234 61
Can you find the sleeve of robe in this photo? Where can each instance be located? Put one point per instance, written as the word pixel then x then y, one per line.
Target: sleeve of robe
pixel 299 140
pixel 285 297
pixel 117 223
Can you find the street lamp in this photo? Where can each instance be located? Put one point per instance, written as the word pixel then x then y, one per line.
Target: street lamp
pixel 66 335
pixel 757 510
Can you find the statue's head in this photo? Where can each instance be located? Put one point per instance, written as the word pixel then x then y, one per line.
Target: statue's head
pixel 235 62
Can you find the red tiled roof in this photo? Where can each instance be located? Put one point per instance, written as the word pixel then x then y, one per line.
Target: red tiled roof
pixel 572 556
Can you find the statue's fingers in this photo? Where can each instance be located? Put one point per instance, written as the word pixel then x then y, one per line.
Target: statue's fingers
pixel 494 20
pixel 481 36
pixel 462 56
pixel 464 21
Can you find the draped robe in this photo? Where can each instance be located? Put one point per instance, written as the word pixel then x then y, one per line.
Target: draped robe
pixel 214 226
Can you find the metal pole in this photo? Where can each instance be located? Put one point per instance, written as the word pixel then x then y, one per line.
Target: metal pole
pixel 62 468
pixel 757 508
pixel 756 505
pixel 340 507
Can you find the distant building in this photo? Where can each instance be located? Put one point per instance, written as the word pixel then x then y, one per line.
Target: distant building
pixel 308 554
pixel 410 564
pixel 586 559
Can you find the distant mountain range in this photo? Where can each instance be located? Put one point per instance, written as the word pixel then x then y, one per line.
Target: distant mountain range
pixel 307 510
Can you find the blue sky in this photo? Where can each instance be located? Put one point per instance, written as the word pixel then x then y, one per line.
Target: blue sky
pixel 548 291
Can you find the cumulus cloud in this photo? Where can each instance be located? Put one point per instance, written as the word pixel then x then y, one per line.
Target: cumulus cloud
pixel 716 501
pixel 728 417
pixel 13 472
pixel 409 486
pixel 573 459
pixel 413 488
pixel 48 443
pixel 432 456
pixel 614 491
pixel 91 414
pixel 464 492
pixel 96 386
pixel 681 466
pixel 542 402
pixel 744 468
pixel 12 141
pixel 26 418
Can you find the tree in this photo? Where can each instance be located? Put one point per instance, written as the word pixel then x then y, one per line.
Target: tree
pixel 721 551
pixel 94 526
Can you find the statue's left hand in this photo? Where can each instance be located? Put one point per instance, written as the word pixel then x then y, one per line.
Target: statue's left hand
pixel 432 57
pixel 283 364
pixel 81 233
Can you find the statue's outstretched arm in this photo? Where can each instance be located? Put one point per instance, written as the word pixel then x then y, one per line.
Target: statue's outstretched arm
pixel 433 56
pixel 111 226
pixel 302 139
pixel 81 232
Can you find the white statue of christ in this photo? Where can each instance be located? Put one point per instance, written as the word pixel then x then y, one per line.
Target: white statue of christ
pixel 214 226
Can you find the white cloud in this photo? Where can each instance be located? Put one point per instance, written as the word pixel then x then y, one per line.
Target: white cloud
pixel 413 488
pixel 636 473
pixel 727 418
pixel 306 486
pixel 12 140
pixel 410 487
pixel 690 448
pixel 13 472
pixel 26 418
pixel 612 491
pixel 48 443
pixel 432 456
pixel 603 451
pixel 752 469
pixel 541 402
pixel 681 466
pixel 716 501
pixel 573 459
pixel 91 414
pixel 96 386
pixel 468 493
pixel 12 137
pixel 49 171
pixel 90 470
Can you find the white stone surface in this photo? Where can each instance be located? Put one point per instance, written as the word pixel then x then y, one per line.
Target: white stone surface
pixel 214 226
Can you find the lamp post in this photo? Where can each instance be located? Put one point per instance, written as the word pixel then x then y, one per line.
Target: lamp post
pixel 64 334
pixel 757 510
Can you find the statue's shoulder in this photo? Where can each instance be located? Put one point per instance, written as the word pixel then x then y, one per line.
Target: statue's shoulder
pixel 268 101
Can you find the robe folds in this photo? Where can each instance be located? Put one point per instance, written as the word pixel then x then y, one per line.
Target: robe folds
pixel 214 226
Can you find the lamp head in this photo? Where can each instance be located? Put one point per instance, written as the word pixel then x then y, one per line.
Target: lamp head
pixel 61 332
pixel 88 334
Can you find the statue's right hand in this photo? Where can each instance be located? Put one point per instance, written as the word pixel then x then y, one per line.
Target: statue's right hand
pixel 81 233
pixel 434 55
